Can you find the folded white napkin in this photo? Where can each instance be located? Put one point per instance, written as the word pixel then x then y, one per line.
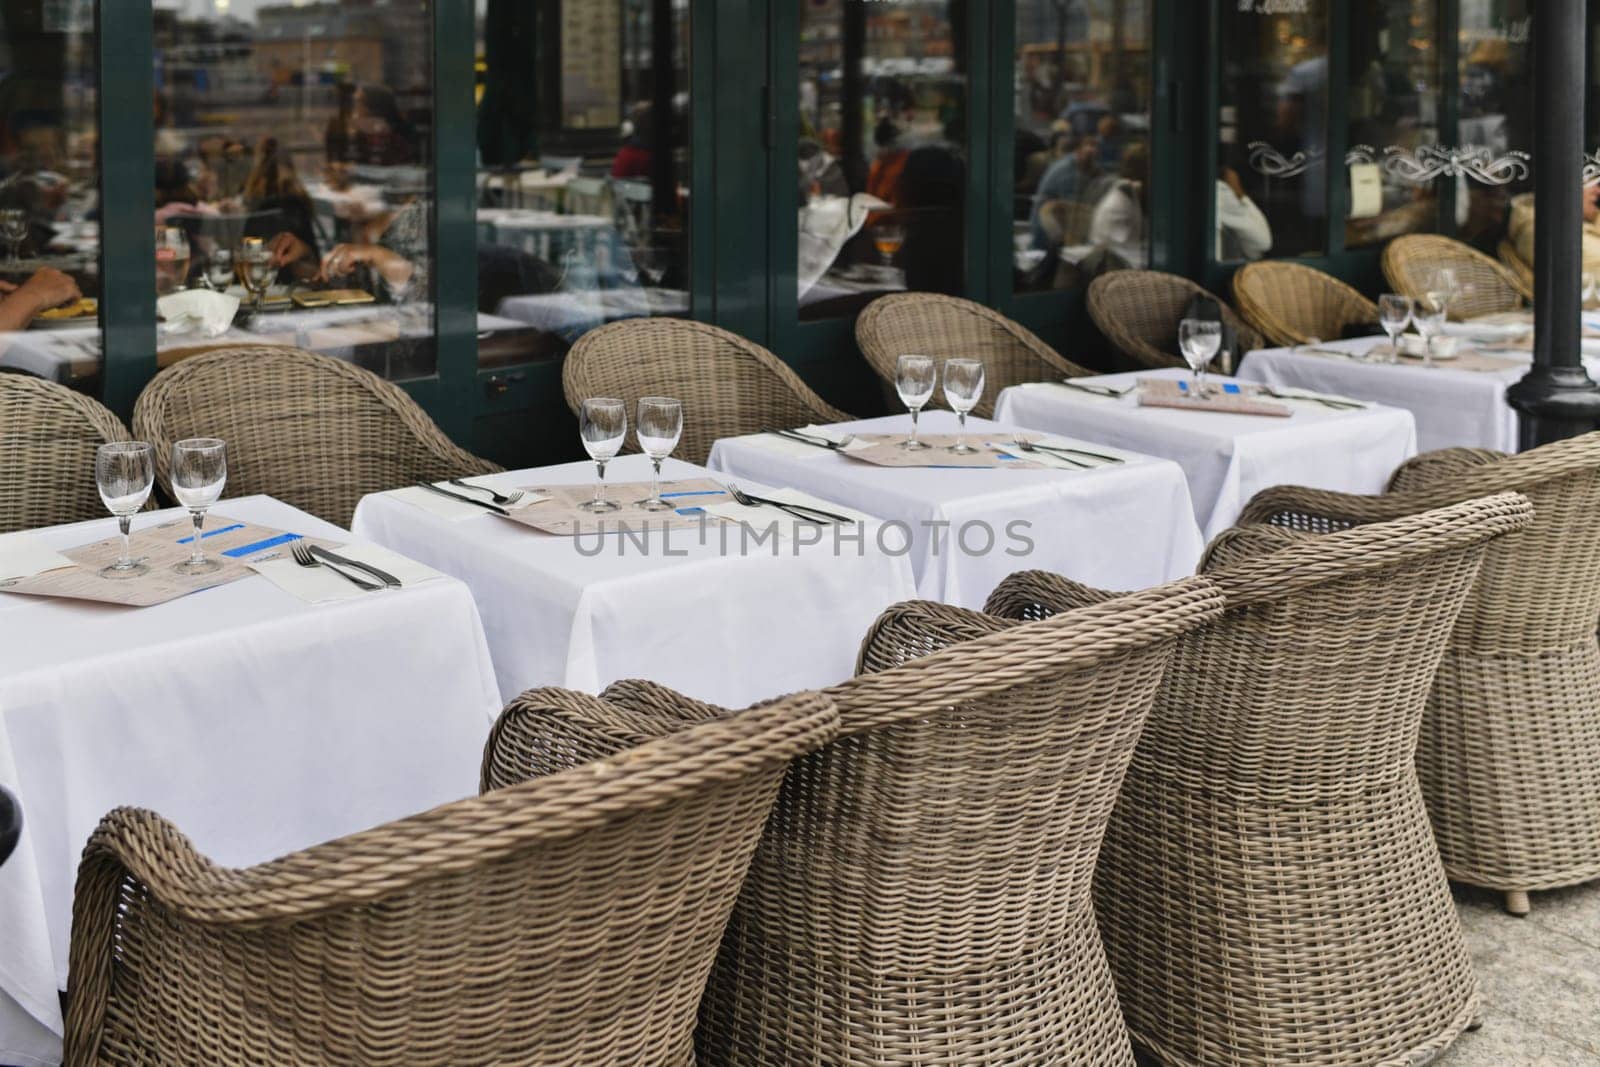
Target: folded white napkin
pixel 321 585
pixel 456 511
pixel 209 312
pixel 763 516
pixel 22 555
pixel 788 446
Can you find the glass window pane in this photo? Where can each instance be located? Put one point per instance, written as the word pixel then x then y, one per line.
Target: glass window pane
pixel 1272 189
pixel 1495 202
pixel 1394 96
pixel 293 152
pixel 1083 141
pixel 583 184
pixel 49 192
pixel 883 159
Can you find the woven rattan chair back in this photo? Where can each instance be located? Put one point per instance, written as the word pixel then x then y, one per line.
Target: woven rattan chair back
pixel 944 327
pixel 1293 304
pixel 48 437
pixel 1138 311
pixel 921 893
pixel 729 386
pixel 315 432
pixel 1519 270
pixel 1268 890
pixel 1510 750
pixel 567 921
pixel 1486 287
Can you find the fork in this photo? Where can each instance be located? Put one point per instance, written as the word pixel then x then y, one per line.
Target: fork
pixel 1325 401
pixel 302 555
pixel 803 512
pixel 1111 392
pixel 502 499
pixel 811 439
pixel 1057 450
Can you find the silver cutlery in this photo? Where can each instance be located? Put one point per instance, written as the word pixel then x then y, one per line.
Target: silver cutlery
pixel 505 500
pixel 819 442
pixel 1097 390
pixel 1325 401
pixel 329 556
pixel 496 508
pixel 1063 452
pixel 302 555
pixel 803 512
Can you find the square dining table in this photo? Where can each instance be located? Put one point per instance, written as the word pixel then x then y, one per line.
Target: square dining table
pixel 1227 457
pixel 258 723
pixel 1126 525
pixel 722 617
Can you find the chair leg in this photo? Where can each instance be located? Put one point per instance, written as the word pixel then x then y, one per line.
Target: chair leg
pixel 1517 902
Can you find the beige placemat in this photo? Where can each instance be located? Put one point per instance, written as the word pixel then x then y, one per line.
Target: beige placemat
pixel 1466 359
pixel 1167 393
pixel 233 544
pixel 561 515
pixel 886 452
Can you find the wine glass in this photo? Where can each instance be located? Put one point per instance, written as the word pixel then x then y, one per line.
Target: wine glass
pixel 888 238
pixel 1199 339
pixel 14 229
pixel 1429 315
pixel 963 386
pixel 124 472
pixel 658 427
pixel 913 380
pixel 199 471
pixel 1394 315
pixel 603 424
pixel 219 269
pixel 172 259
pixel 253 264
pixel 1446 284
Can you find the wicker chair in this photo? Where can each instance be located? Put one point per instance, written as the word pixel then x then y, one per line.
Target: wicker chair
pixel 48 437
pixel 1510 751
pixel 1139 311
pixel 1487 287
pixel 1519 270
pixel 729 386
pixel 312 431
pixel 10 824
pixel 921 893
pixel 1268 890
pixel 1292 304
pixel 946 326
pixel 570 920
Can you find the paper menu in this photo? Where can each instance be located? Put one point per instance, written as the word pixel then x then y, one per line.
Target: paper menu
pixel 1366 191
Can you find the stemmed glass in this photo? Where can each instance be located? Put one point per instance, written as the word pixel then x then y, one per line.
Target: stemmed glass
pixel 124 472
pixel 14 228
pixel 199 471
pixel 888 238
pixel 1429 316
pixel 658 427
pixel 913 380
pixel 172 259
pixel 1199 339
pixel 219 269
pixel 963 386
pixel 253 263
pixel 603 424
pixel 1394 315
pixel 1446 285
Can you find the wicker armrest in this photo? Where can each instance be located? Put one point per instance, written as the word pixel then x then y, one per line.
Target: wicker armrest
pixel 1420 473
pixel 1321 510
pixel 1041 594
pixel 654 702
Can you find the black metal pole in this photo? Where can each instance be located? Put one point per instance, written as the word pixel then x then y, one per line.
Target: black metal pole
pixel 1557 398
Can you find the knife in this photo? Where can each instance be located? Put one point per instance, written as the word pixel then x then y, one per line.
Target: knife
pixel 345 561
pixel 484 504
pixel 805 439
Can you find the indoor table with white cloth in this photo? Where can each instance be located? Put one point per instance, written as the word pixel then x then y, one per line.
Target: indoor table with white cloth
pixel 725 617
pixel 260 720
pixel 1227 457
pixel 1458 397
pixel 1123 524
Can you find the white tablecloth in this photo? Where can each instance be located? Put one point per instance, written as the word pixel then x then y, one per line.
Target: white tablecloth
pixel 1452 407
pixel 258 723
pixel 1127 526
pixel 731 628
pixel 1228 458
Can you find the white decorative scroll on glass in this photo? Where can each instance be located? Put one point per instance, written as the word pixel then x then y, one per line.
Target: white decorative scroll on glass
pixel 1269 162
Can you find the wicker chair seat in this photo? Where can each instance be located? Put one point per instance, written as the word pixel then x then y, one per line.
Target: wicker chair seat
pixel 570 920
pixel 1268 889
pixel 1292 304
pixel 48 438
pixel 921 894
pixel 315 432
pixel 729 386
pixel 947 327
pixel 1487 287
pixel 1139 312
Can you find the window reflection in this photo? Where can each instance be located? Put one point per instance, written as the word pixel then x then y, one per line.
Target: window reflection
pixel 49 193
pixel 1082 154
pixel 293 181
pixel 583 197
pixel 882 153
pixel 1496 112
pixel 1272 188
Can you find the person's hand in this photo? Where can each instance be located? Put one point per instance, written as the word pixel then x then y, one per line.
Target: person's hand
pixel 47 288
pixel 7 287
pixel 1230 177
pixel 286 248
pixel 344 259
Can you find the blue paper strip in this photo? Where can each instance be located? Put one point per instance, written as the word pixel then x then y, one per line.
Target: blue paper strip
pixel 213 533
pixel 694 492
pixel 261 546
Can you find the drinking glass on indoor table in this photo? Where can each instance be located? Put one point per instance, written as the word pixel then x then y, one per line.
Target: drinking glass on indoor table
pixel 199 471
pixel 658 427
pixel 124 471
pixel 1200 340
pixel 603 424
pixel 963 388
pixel 913 380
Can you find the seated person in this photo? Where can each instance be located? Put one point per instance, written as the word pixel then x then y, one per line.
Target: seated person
pixel 47 288
pixel 1243 232
pixel 1520 230
pixel 1069 178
